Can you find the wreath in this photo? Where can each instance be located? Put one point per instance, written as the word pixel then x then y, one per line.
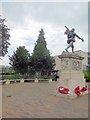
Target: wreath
pixel 77 90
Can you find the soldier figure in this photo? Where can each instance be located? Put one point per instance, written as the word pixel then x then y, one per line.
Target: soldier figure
pixel 71 38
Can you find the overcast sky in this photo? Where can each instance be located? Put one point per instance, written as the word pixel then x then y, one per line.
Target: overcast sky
pixel 26 19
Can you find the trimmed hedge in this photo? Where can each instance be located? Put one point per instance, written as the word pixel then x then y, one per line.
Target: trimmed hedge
pixel 17 76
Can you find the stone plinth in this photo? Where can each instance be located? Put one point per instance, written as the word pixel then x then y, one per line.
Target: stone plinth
pixel 71 74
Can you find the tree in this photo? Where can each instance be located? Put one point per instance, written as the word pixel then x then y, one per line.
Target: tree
pixel 20 60
pixel 4 37
pixel 41 59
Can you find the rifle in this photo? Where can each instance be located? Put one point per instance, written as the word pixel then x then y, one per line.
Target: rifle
pixel 66 27
pixel 67 31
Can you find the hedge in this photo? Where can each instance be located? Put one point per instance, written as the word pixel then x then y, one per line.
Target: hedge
pixel 17 76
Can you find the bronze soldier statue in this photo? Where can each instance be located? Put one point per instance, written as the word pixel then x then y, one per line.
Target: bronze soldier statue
pixel 71 38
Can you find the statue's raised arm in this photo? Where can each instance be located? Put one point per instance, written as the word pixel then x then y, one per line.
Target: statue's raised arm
pixel 79 37
pixel 67 30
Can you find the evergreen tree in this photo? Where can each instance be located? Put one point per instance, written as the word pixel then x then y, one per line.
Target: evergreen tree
pixel 4 37
pixel 20 60
pixel 41 59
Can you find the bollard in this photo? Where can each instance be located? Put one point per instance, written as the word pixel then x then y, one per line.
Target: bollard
pixel 22 81
pixel 36 80
pixel 50 80
pixel 7 82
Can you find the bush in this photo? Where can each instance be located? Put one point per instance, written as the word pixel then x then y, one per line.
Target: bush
pixel 87 76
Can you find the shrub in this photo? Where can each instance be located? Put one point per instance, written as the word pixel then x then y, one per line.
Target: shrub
pixel 87 76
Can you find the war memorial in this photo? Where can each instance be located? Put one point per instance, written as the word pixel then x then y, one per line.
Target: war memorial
pixel 71 80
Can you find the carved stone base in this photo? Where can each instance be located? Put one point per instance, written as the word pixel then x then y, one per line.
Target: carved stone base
pixel 71 74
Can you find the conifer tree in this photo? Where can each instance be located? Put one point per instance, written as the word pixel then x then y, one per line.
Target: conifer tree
pixel 41 59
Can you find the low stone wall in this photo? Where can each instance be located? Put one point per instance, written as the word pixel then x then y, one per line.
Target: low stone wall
pixel 24 80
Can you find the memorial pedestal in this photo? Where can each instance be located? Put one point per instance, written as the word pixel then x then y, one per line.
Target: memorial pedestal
pixel 71 74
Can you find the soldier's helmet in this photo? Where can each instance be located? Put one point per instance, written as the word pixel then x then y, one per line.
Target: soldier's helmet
pixel 72 30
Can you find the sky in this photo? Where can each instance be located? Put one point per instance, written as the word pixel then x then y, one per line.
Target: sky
pixel 25 19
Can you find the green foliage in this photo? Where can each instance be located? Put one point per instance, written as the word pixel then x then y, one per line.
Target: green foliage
pixel 10 71
pixel 0 69
pixel 87 76
pixel 20 60
pixel 11 77
pixel 4 37
pixel 41 59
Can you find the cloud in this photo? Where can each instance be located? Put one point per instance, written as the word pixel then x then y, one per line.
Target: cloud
pixel 21 37
pixel 55 13
pixel 0 9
